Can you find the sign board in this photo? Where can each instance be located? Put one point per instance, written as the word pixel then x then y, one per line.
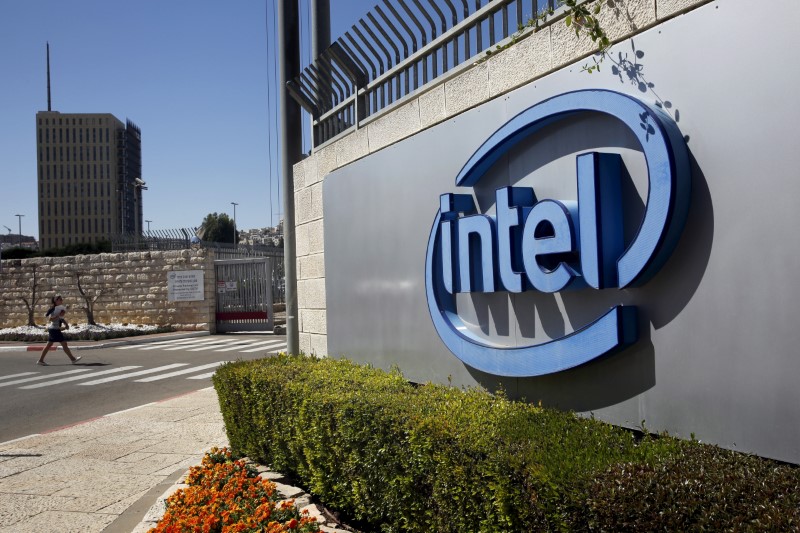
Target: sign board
pixel 221 287
pixel 185 286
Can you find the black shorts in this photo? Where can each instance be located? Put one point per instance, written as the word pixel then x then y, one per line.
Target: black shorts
pixel 55 335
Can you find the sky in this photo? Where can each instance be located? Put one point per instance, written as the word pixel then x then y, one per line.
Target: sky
pixel 197 76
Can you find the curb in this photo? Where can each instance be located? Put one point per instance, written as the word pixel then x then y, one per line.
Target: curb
pixel 142 339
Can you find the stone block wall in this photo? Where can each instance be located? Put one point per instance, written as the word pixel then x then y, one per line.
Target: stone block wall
pixel 129 288
pixel 552 47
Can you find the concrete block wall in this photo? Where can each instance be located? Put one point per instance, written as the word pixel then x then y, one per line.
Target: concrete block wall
pixel 551 48
pixel 132 288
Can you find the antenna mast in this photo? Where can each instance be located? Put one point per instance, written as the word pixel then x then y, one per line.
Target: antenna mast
pixel 48 77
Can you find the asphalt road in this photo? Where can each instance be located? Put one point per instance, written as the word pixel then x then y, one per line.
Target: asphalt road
pixel 37 399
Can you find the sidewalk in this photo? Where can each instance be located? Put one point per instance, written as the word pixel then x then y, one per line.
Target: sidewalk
pixel 88 476
pixel 113 473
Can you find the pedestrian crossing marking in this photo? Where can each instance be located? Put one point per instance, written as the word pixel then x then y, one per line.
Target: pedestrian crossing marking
pixel 39 378
pixel 276 345
pixel 212 345
pixel 180 372
pixel 186 345
pixel 248 344
pixel 208 343
pixel 203 376
pixel 157 345
pixel 76 378
pixel 18 375
pixel 133 374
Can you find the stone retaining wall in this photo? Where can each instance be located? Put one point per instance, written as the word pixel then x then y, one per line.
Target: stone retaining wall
pixel 128 287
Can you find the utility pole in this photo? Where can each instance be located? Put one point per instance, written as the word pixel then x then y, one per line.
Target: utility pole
pixel 19 240
pixel 234 204
pixel 290 142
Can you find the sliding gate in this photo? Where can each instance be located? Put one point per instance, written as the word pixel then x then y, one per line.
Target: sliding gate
pixel 244 294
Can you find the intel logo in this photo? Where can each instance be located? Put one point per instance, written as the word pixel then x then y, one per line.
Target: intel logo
pixel 550 244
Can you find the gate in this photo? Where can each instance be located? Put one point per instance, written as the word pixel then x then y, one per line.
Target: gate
pixel 244 294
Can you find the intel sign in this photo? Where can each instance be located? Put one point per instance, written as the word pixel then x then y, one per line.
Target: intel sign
pixel 551 245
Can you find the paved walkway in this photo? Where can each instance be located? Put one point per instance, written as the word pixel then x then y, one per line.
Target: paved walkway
pixel 113 473
pixel 85 477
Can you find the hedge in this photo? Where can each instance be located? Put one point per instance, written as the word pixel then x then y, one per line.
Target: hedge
pixel 393 456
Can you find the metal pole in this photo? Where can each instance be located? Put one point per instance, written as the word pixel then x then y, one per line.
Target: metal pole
pixel 148 226
pixel 320 31
pixel 234 204
pixel 320 27
pixel 290 141
pixel 19 239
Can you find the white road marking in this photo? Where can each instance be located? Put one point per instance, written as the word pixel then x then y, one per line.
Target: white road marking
pixel 273 347
pixel 18 375
pixel 76 378
pixel 39 378
pixel 133 374
pixel 180 372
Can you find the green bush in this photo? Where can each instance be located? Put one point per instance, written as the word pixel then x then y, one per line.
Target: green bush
pixel 397 457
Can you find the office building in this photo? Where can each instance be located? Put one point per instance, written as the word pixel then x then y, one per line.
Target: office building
pixel 90 183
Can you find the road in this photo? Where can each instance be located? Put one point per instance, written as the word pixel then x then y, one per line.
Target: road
pixel 37 399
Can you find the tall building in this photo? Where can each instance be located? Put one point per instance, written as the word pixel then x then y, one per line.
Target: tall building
pixel 89 178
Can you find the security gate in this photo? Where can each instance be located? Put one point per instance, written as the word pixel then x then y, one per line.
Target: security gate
pixel 244 294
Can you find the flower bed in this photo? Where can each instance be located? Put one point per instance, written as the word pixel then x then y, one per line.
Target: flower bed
pixel 226 495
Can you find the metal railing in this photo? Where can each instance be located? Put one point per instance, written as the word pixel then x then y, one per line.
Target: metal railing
pixel 165 239
pixel 397 48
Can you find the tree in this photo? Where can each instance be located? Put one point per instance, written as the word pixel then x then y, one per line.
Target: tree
pixel 90 296
pixel 30 304
pixel 217 228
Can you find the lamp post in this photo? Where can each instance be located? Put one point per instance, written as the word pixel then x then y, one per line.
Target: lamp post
pixel 19 218
pixel 148 226
pixel 234 204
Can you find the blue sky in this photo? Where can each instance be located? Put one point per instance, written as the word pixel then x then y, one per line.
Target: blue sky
pixel 197 76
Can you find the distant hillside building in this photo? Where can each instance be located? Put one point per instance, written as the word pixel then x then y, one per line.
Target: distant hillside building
pixel 90 183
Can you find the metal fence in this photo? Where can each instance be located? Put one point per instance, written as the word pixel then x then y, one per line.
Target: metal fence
pixel 397 48
pixel 240 251
pixel 165 239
